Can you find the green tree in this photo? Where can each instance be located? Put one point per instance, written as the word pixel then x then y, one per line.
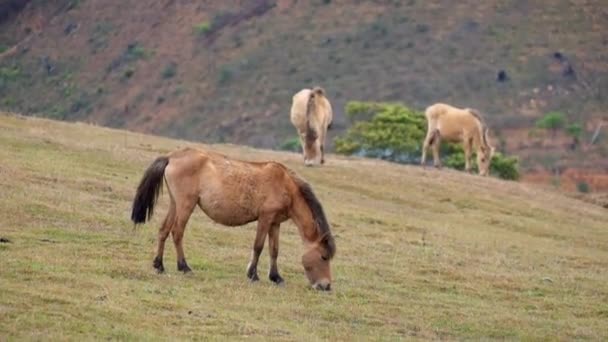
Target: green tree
pixel 575 130
pixel 552 121
pixel 382 130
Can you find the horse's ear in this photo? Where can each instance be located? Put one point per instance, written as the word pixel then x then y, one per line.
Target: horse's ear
pixel 492 150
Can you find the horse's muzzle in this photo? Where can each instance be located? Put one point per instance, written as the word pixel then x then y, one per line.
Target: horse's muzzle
pixel 322 286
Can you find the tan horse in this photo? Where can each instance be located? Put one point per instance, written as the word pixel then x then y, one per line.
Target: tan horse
pixel 234 193
pixel 312 116
pixel 458 125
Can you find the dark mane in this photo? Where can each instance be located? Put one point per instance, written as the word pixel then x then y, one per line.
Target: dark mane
pixel 484 127
pixel 318 214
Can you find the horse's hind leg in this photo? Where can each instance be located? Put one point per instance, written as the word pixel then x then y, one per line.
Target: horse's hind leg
pixel 163 233
pixel 264 224
pixel 428 141
pixel 184 209
pixel 273 244
pixel 436 143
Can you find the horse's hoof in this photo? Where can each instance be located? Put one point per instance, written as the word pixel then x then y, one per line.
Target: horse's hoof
pixel 277 279
pixel 183 267
pixel 158 265
pixel 253 278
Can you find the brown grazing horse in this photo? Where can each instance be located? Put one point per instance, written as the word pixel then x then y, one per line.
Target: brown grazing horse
pixel 233 193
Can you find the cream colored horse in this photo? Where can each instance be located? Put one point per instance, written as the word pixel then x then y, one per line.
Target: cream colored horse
pixel 312 115
pixel 458 125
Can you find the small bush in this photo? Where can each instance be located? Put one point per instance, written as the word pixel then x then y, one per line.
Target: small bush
pixel 9 74
pixel 170 71
pixel 575 130
pixel 291 144
pixel 128 73
pixel 552 121
pixel 583 187
pixel 225 75
pixel 203 28
pixel 136 51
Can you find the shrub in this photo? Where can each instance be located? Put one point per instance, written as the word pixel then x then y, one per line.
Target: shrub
pixel 225 75
pixel 203 28
pixel 393 132
pixel 291 144
pixel 169 71
pixel 128 73
pixel 583 187
pixel 135 51
pixel 552 121
pixel 575 130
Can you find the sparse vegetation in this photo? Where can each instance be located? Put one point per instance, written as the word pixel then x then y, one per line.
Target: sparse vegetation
pixel 99 36
pixel 291 144
pixel 225 75
pixel 169 71
pixel 552 121
pixel 203 28
pixel 136 51
pixel 583 187
pixel 128 73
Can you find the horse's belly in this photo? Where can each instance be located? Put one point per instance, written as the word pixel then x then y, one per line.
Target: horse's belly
pixel 228 213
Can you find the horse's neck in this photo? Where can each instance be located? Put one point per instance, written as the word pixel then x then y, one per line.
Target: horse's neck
pixel 478 141
pixel 302 217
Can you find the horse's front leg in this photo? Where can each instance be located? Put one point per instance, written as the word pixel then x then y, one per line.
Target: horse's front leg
pixel 273 244
pixel 467 157
pixel 258 246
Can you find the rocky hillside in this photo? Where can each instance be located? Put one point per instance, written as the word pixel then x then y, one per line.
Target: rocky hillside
pixel 225 71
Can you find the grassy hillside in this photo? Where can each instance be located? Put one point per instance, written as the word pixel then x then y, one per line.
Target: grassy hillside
pixel 421 253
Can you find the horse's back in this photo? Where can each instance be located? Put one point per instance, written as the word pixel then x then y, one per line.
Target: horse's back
pixel 452 122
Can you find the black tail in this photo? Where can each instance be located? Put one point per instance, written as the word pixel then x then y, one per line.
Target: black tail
pixel 436 134
pixel 148 190
pixel 311 134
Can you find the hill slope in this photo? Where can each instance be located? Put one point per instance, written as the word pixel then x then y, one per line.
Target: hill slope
pixel 421 253
pixel 226 70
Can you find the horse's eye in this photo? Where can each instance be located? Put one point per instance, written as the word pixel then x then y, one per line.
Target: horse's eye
pixel 324 258
pixel 483 160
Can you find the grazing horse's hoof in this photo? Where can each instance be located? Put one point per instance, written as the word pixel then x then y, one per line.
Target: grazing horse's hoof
pixel 158 265
pixel 276 278
pixel 183 266
pixel 253 277
pixel 252 274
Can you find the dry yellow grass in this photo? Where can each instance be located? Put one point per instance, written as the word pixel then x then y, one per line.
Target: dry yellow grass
pixel 421 253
